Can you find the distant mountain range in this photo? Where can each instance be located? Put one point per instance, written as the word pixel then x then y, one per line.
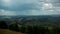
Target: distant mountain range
pixel 45 20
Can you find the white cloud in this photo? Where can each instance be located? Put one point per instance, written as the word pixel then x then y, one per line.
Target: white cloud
pixel 5 12
pixel 6 1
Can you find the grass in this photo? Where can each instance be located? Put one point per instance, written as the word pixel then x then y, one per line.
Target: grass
pixel 7 31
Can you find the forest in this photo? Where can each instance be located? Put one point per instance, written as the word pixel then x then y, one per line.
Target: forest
pixel 29 29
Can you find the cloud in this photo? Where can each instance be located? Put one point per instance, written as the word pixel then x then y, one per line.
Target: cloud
pixel 29 7
pixel 5 12
pixel 18 5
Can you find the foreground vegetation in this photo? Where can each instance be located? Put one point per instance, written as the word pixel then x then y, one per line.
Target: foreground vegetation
pixel 28 29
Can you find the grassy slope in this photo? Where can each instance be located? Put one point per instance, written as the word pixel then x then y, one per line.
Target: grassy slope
pixel 7 31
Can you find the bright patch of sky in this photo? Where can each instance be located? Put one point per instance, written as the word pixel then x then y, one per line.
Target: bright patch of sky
pixel 29 7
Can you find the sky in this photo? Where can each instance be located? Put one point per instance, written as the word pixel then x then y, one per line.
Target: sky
pixel 29 7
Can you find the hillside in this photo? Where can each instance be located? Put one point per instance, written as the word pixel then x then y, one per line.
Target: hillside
pixel 7 31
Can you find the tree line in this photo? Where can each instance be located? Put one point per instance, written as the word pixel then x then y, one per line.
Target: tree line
pixel 28 29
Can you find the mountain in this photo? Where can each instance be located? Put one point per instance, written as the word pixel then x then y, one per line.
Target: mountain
pixel 45 20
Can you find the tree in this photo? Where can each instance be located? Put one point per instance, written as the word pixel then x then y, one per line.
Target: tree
pixel 14 27
pixel 3 25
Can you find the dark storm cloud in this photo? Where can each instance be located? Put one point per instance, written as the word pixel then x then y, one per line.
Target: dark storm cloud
pixel 21 7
